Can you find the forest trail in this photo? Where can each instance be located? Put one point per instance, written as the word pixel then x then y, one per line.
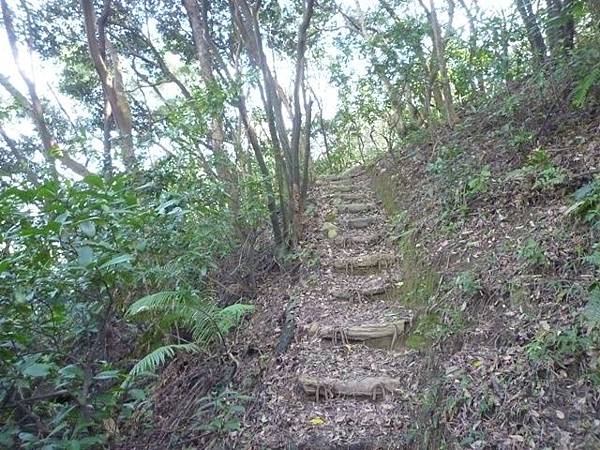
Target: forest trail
pixel 346 378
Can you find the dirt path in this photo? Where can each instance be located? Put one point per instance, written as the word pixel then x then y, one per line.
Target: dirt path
pixel 345 381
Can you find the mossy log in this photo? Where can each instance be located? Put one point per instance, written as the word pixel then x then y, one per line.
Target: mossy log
pixel 366 263
pixel 374 388
pixel 383 335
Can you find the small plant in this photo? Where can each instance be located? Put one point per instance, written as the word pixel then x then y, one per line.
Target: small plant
pixel 585 85
pixel 521 138
pixel 179 309
pixel 555 347
pixel 533 255
pixel 467 283
pixel 540 170
pixel 587 202
pixel 436 167
pixel 478 183
pixel 591 312
pixel 550 177
pixel 227 409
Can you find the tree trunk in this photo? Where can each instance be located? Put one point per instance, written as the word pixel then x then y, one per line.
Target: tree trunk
pixel 112 84
pixel 33 105
pixel 440 59
pixel 534 34
pixel 198 17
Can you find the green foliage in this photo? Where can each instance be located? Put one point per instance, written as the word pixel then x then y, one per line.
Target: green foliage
pixel 587 202
pixel 228 409
pixel 467 283
pixel 540 170
pixel 183 310
pixel 585 85
pixel 533 254
pixel 554 347
pixel 478 183
pixel 521 138
pixel 75 254
pixel 157 357
pixel 591 312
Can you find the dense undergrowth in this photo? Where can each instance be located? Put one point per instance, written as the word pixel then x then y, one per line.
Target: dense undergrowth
pixel 503 212
pixel 83 263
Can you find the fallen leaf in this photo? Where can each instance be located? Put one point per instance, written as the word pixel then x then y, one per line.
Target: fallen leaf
pixel 316 421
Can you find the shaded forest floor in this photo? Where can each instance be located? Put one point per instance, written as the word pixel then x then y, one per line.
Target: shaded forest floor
pixel 499 270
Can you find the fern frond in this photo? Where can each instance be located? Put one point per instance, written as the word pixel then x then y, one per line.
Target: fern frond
pixel 152 360
pixel 158 301
pixel 591 312
pixel 583 87
pixel 230 316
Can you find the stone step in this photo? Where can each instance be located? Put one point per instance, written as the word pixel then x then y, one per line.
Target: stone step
pixel 359 223
pixel 356 207
pixel 363 289
pixel 365 263
pixel 323 389
pixel 359 239
pixel 378 335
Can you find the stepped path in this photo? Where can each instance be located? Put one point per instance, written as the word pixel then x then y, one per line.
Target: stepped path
pixel 345 381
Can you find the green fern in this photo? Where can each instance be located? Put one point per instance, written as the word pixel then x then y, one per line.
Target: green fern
pixel 154 359
pixel 581 91
pixel 207 323
pixel 231 316
pixel 591 312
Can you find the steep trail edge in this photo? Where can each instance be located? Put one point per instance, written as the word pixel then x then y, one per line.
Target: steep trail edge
pixel 345 380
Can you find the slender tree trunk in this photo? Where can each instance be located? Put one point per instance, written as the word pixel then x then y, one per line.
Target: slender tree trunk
pixel 440 59
pixel 473 44
pixel 112 83
pixel 198 17
pixel 286 150
pixel 262 166
pixel 22 161
pixel 33 105
pixel 534 34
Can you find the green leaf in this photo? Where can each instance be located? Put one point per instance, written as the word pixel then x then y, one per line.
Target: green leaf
pixel 71 371
pixel 138 394
pixel 151 361
pixel 107 375
pixel 37 370
pixel 94 180
pixel 121 259
pixel 88 228
pixel 85 256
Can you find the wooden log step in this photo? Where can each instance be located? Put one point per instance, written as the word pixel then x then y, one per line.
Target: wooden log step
pixel 343 188
pixel 356 207
pixel 365 263
pixel 359 223
pixel 335 178
pixel 350 196
pixel 361 290
pixel 375 388
pixel 360 239
pixel 380 335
